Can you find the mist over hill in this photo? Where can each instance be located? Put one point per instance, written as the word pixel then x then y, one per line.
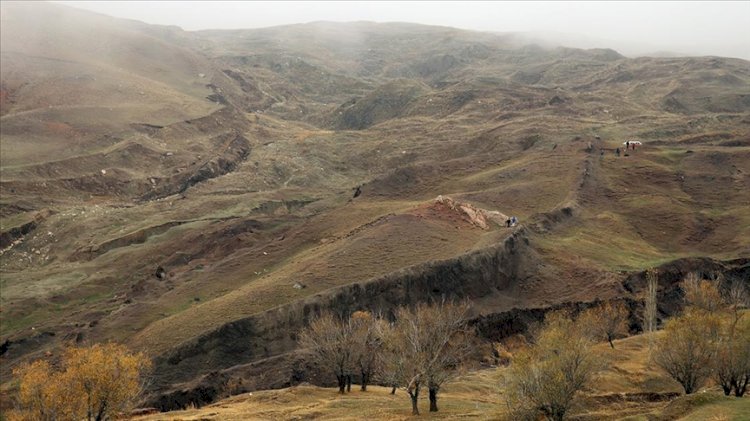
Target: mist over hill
pixel 231 158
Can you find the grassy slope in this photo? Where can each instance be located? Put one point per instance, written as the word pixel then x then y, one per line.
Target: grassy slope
pixel 66 89
pixel 659 204
pixel 475 131
pixel 479 395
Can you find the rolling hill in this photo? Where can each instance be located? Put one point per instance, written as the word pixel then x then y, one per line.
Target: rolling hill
pixel 231 160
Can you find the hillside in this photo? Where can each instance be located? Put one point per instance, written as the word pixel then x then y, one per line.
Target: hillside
pixel 231 160
pixel 630 388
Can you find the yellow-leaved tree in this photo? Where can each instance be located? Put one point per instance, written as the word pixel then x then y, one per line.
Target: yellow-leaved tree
pixel 544 380
pixel 95 383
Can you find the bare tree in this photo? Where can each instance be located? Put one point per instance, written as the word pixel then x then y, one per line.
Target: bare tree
pixel 702 294
pixel 737 299
pixel 606 321
pixel 330 343
pixel 427 347
pixel 367 345
pixel 732 363
pixel 391 364
pixel 450 343
pixel 408 342
pixel 650 305
pixel 545 378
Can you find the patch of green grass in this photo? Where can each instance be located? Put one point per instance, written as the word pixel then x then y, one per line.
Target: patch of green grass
pixel 607 245
pixel 708 405
pixel 735 409
pixel 35 316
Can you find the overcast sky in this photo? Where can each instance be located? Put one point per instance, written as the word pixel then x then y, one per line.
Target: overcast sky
pixel 633 28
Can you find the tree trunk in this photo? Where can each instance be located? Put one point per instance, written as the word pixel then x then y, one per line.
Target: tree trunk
pixel 609 338
pixel 365 380
pixel 414 394
pixel 342 383
pixel 433 399
pixel 102 411
pixel 741 386
pixel 554 413
pixel 393 390
pixel 726 388
pixel 348 382
pixel 689 385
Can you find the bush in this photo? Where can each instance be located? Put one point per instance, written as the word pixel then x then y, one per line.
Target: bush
pixel 95 383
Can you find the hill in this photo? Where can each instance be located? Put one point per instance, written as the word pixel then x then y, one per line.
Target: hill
pixel 230 159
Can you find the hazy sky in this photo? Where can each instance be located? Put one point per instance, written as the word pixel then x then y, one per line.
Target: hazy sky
pixel 697 28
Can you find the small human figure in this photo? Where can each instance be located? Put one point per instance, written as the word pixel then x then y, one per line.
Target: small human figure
pixel 507 222
pixel 627 145
pixel 617 151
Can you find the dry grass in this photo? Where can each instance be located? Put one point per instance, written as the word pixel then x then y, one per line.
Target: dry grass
pixel 479 395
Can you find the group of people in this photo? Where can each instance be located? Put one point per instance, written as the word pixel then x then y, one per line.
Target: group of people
pixel 628 145
pixel 512 221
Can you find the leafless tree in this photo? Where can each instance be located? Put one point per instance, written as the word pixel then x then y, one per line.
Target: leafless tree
pixel 732 360
pixel 732 363
pixel 450 343
pixel 701 293
pixel 428 344
pixel 391 364
pixel 650 305
pixel 606 321
pixel 330 342
pixel 367 345
pixel 737 299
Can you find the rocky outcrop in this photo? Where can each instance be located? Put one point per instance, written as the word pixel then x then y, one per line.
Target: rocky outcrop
pixel 10 236
pixel 477 216
pixel 13 235
pixel 137 237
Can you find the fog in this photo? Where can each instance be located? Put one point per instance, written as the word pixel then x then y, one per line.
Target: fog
pixel 632 28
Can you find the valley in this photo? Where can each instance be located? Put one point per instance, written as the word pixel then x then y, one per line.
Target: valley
pixel 230 159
